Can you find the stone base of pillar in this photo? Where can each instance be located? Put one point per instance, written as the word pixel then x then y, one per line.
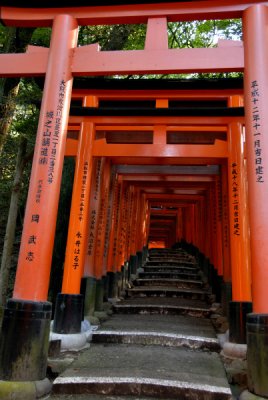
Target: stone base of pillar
pixel 24 340
pixel 99 295
pixel 215 282
pixel 205 267
pixel 122 279
pixel 68 313
pixel 257 354
pixel 116 283
pixel 89 285
pixel 238 311
pixel 112 285
pixel 133 264
pixel 226 297
pixel 105 288
pixel 217 286
pixel 139 255
pixel 29 390
pixel 144 254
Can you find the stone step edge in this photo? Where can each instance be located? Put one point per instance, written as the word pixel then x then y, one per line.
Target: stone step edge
pixel 172 268
pixel 152 288
pixel 159 338
pixel 162 307
pixel 139 386
pixel 171 280
pixel 159 274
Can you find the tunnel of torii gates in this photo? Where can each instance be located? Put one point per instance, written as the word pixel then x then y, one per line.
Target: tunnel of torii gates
pixel 157 163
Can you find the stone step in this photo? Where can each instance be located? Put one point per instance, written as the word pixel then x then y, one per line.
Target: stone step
pixel 171 256
pixel 161 330
pixel 99 397
pixel 123 370
pixel 163 305
pixel 156 339
pixel 168 291
pixel 169 251
pixel 179 283
pixel 170 268
pixel 170 262
pixel 175 274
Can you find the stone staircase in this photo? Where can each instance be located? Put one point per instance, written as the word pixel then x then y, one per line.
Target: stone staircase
pixel 169 283
pixel 159 344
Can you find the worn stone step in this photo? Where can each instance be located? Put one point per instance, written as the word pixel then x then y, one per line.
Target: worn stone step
pixel 171 256
pixel 170 262
pixel 156 339
pixel 168 251
pixel 160 330
pixel 179 283
pixel 98 397
pixel 163 305
pixel 170 268
pixel 122 370
pixel 168 291
pixel 169 274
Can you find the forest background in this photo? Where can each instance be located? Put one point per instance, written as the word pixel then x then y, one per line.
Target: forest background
pixel 19 112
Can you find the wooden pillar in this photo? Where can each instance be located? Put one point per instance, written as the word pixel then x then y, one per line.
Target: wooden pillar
pixel 239 232
pixel 32 278
pixel 109 217
pixel 114 226
pixel 135 230
pixel 114 275
pixel 225 225
pixel 98 163
pixel 213 226
pixel 208 249
pixel 255 27
pixel 256 94
pixel 218 205
pixel 227 280
pixel 89 275
pixel 68 319
pixel 79 214
pixel 100 273
pixel 101 222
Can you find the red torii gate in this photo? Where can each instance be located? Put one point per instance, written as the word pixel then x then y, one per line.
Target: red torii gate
pixel 64 61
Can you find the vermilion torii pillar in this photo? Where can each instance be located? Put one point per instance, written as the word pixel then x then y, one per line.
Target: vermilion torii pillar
pixel 32 279
pixel 100 271
pixel 89 272
pixel 227 285
pixel 255 25
pixel 68 319
pixel 241 303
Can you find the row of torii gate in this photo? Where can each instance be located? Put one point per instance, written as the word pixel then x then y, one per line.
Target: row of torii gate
pixel 157 174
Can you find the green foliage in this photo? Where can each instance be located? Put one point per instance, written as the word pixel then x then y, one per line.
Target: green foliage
pixel 202 33
pixel 41 37
pixel 113 37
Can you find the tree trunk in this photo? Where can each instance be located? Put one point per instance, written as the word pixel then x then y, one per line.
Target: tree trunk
pixel 11 222
pixel 7 109
pixel 16 41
